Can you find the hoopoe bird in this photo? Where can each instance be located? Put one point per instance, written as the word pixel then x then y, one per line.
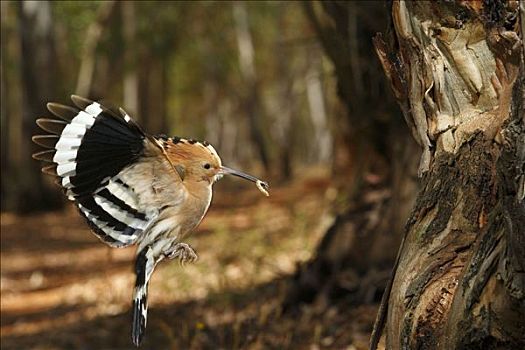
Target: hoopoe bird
pixel 132 188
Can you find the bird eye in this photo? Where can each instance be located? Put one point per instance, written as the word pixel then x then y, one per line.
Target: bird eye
pixel 207 166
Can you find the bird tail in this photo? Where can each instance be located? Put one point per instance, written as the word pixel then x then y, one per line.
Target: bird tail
pixel 144 266
pixel 140 313
pixel 88 146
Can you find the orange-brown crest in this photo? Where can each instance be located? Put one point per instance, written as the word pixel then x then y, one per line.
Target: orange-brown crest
pixel 199 160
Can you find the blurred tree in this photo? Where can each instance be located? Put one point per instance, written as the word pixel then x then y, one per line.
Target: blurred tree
pixel 93 36
pixel 5 76
pixel 156 46
pixel 252 100
pixel 23 187
pixel 283 131
pixel 316 104
pixel 373 163
pixel 131 79
pixel 179 65
pixel 457 69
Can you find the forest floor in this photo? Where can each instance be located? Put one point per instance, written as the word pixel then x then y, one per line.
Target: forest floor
pixel 62 289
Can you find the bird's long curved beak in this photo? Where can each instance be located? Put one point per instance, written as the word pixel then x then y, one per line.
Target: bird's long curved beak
pixel 228 171
pixel 262 185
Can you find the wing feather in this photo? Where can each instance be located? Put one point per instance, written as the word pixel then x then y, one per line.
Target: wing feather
pixel 94 152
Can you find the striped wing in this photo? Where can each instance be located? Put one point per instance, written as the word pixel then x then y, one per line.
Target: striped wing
pixel 94 150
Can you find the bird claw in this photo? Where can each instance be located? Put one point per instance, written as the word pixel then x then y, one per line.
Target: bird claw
pixel 184 252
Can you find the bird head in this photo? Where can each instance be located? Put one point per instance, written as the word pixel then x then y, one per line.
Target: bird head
pixel 199 162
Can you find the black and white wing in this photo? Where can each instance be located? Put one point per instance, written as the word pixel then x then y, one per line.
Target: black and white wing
pixel 90 148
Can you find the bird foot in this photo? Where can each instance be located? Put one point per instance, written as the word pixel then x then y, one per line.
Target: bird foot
pixel 184 252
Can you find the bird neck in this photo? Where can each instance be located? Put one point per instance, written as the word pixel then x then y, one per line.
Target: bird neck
pixel 200 190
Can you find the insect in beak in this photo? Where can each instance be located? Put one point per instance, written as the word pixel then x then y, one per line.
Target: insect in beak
pixel 261 185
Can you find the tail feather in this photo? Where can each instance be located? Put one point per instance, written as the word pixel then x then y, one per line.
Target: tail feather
pixel 140 314
pixel 144 266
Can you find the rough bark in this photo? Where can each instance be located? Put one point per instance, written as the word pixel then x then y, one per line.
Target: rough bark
pixel 457 71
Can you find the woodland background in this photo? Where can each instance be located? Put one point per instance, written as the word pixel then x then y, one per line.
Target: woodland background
pixel 290 91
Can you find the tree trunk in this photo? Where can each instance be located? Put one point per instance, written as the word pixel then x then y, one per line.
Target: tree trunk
pixel 373 165
pixel 457 71
pixel 316 104
pixel 252 100
pixel 282 124
pixel 93 36
pixel 154 116
pixel 131 79
pixel 28 190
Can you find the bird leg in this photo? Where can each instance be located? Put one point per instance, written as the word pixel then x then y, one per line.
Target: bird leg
pixel 183 251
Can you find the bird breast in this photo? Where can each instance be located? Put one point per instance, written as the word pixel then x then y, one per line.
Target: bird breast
pixel 195 206
pixel 179 206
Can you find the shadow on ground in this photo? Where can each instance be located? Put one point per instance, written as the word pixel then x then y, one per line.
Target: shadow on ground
pixel 247 320
pixel 63 289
